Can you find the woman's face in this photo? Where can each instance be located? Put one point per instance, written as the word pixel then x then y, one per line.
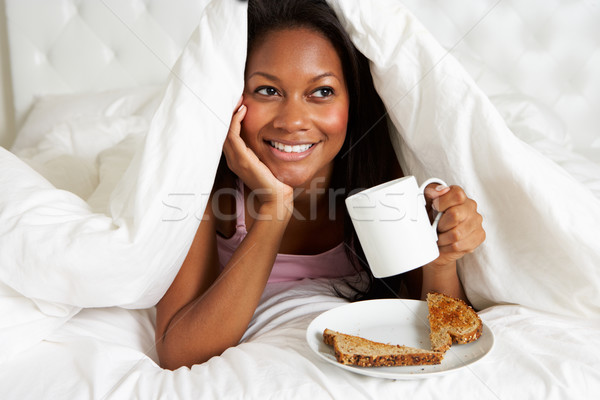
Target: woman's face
pixel 297 102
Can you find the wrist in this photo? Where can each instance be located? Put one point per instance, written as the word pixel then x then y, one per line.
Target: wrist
pixel 440 269
pixel 442 278
pixel 279 210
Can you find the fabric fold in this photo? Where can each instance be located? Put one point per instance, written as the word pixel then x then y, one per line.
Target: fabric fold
pixel 56 250
pixel 541 249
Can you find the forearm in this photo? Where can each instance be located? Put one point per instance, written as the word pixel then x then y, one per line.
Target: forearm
pixel 218 318
pixel 442 279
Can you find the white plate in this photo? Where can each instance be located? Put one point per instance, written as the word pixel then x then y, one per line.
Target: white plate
pixel 393 321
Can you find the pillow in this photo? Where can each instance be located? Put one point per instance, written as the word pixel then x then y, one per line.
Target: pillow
pixel 60 252
pixel 67 155
pixel 125 254
pixel 49 111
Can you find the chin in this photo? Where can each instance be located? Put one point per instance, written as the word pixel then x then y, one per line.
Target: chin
pixel 292 180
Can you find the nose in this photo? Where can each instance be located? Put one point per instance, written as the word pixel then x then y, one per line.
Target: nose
pixel 292 115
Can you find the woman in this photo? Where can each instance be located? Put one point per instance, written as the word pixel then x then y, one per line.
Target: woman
pixel 308 132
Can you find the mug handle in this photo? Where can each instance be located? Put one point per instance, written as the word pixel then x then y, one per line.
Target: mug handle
pixel 439 214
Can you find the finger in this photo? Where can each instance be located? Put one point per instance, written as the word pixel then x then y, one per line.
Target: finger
pixel 453 197
pixel 458 248
pixel 235 127
pixel 432 192
pixel 233 142
pixel 453 217
pixel 461 243
pixel 458 214
pixel 435 190
pixel 456 234
pixel 236 121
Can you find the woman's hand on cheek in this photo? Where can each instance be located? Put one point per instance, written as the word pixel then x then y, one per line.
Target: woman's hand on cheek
pixel 460 229
pixel 246 165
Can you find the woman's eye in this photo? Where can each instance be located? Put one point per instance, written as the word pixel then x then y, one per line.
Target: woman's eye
pixel 267 91
pixel 323 92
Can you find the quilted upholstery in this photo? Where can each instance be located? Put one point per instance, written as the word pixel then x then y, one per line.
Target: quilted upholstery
pixel 546 49
pixel 64 46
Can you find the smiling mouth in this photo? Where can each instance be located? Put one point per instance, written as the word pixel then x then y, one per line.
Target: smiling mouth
pixel 286 148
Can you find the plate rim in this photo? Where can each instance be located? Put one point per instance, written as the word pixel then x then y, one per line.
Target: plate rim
pixel 381 372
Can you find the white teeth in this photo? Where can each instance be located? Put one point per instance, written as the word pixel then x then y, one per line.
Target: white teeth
pixel 298 148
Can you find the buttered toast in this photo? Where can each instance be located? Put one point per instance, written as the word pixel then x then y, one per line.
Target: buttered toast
pixel 451 320
pixel 354 350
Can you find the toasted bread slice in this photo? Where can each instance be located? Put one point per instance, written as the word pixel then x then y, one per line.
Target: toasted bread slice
pixel 451 321
pixel 354 350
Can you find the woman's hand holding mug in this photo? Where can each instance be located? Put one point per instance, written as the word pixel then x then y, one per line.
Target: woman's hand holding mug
pixel 460 229
pixel 395 232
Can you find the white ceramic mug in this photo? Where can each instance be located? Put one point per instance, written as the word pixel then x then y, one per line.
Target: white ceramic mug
pixel 393 227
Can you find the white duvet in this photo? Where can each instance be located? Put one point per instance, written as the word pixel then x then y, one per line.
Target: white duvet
pixel 108 354
pixel 91 236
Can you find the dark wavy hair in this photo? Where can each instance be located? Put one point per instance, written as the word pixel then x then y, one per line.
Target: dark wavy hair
pixel 366 157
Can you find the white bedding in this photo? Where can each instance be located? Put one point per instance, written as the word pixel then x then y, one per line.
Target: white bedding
pixel 95 211
pixel 108 353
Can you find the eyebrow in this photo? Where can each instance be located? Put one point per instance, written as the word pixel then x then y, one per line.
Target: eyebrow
pixel 314 79
pixel 324 75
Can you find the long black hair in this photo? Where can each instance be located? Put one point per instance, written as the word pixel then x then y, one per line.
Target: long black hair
pixel 366 157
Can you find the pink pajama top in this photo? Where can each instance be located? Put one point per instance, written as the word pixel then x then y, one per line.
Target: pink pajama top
pixel 333 263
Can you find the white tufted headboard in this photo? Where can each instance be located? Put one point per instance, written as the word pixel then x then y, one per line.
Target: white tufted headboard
pixel 68 46
pixel 547 49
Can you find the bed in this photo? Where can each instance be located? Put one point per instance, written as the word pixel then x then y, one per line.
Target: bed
pixel 93 81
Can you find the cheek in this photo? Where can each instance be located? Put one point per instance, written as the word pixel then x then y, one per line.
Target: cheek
pixel 335 123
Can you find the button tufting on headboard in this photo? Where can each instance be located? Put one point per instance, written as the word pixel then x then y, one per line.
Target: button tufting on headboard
pixel 546 49
pixel 65 46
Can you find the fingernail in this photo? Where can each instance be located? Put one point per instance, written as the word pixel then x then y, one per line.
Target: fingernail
pixel 240 109
pixel 439 188
pixel 435 204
